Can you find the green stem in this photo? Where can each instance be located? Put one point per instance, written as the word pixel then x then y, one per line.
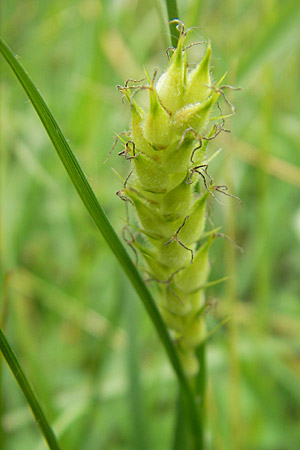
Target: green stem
pixel 173 14
pixel 135 398
pixel 200 386
pixel 163 23
pixel 22 381
pixel 3 317
pixel 180 434
pixel 181 440
pixel 97 214
pixel 202 377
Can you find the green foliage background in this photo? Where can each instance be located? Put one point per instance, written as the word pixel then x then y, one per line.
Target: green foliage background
pixel 80 332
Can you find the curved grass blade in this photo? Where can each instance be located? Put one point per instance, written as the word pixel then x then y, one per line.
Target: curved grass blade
pixel 25 387
pixel 96 212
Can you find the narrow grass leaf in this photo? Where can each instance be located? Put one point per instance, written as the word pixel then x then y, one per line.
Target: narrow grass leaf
pixel 180 433
pixel 173 14
pixel 136 400
pixel 25 387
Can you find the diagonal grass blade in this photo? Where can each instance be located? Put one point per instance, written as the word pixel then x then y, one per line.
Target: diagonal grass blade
pixel 22 381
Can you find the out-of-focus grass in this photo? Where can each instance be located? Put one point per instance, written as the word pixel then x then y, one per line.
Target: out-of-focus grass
pixel 70 316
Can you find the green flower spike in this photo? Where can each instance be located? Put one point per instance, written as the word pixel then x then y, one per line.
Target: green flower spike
pixel 167 156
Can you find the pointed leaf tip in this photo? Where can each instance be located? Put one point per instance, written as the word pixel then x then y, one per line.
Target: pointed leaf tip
pixel 199 81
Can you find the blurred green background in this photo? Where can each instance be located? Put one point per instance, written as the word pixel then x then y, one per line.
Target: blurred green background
pixel 78 328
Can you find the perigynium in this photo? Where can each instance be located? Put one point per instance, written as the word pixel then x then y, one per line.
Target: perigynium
pixel 169 186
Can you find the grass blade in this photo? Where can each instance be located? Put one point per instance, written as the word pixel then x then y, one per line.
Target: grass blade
pixel 4 308
pixel 97 214
pixel 22 381
pixel 135 398
pixel 180 434
pixel 163 22
pixel 173 14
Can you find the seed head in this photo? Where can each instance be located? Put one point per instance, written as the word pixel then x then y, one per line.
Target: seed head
pixel 166 149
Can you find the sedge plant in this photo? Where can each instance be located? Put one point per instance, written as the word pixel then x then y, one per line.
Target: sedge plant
pixel 169 186
pixel 167 149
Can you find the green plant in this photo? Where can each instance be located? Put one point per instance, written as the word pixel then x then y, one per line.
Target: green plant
pixel 169 187
pixel 62 281
pixel 166 146
pixel 90 201
pixel 170 202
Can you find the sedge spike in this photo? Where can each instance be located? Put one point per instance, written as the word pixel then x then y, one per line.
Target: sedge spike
pixel 169 186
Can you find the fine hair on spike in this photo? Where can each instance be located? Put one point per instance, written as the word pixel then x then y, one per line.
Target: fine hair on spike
pixel 130 242
pixel 221 127
pixel 138 89
pixel 116 139
pixel 163 106
pixel 181 28
pixel 131 80
pixel 123 196
pixel 227 86
pixel 168 283
pixel 220 90
pixel 112 149
pixel 210 304
pixel 122 89
pixel 216 131
pixel 186 131
pixel 194 151
pixel 199 170
pixel 170 48
pixel 154 77
pixel 192 29
pixel 210 188
pixel 126 152
pixel 224 236
pixel 126 202
pixel 194 44
pixel 175 238
pixel 126 180
pixel 132 89
pixel 223 190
